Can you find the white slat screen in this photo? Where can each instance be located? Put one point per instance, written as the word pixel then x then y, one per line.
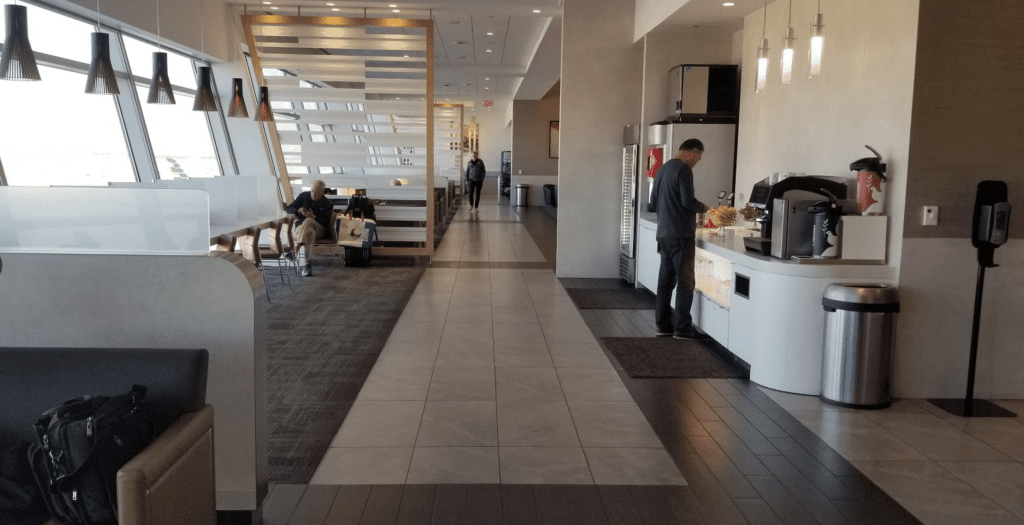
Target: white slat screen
pixel 350 99
pixel 447 142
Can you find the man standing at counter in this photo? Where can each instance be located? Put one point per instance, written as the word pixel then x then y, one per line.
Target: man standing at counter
pixel 672 198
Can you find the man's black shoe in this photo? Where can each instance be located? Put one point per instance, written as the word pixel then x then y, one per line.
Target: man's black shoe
pixel 663 333
pixel 689 333
pixel 307 270
pixel 289 256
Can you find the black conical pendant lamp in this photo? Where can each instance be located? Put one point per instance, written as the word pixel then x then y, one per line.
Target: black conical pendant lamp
pixel 237 106
pixel 205 101
pixel 17 62
pixel 101 79
pixel 264 113
pixel 160 90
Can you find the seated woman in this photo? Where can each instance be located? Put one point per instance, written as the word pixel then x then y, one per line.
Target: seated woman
pixel 314 213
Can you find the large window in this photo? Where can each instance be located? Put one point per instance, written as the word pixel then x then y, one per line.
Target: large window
pixel 180 137
pixel 51 132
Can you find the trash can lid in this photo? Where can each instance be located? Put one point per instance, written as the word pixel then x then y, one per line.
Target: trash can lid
pixel 840 294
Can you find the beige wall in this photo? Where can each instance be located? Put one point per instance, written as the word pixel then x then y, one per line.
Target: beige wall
pixel 601 86
pixel 667 48
pixel 179 21
pixel 863 96
pixel 650 13
pixel 530 122
pixel 968 102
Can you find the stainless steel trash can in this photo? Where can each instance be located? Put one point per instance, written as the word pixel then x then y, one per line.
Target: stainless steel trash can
pixel 860 322
pixel 522 194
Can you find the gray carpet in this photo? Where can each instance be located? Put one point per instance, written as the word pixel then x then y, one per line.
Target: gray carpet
pixel 609 299
pixel 644 357
pixel 324 336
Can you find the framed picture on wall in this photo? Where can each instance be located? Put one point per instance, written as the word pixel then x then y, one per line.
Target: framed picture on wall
pixel 553 140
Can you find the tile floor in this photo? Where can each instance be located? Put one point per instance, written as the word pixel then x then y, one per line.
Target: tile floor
pixel 943 468
pixel 492 376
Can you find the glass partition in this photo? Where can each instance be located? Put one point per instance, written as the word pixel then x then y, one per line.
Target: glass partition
pixel 104 221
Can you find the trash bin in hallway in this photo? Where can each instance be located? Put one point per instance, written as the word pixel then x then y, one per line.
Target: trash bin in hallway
pixel 522 194
pixel 860 322
pixel 551 195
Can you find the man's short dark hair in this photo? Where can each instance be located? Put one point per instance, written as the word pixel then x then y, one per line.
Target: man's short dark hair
pixel 691 144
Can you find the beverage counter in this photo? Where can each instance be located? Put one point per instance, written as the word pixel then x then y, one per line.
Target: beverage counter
pixel 767 311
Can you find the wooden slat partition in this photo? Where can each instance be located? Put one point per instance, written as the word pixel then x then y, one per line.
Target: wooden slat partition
pixel 354 100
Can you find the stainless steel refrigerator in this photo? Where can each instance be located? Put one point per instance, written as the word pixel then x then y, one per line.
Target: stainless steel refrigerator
pixel 716 171
pixel 630 196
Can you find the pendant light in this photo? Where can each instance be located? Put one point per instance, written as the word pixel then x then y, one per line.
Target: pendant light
pixel 101 79
pixel 762 52
pixel 264 113
pixel 817 43
pixel 17 62
pixel 160 90
pixel 205 101
pixel 787 52
pixel 236 107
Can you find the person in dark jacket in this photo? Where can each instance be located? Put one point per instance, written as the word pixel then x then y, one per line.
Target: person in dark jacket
pixel 672 198
pixel 475 173
pixel 314 213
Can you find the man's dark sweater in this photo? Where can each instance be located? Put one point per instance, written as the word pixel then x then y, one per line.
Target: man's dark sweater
pixel 674 201
pixel 475 170
pixel 323 209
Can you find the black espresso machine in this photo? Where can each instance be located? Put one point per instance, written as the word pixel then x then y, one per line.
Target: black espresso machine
pixel 764 196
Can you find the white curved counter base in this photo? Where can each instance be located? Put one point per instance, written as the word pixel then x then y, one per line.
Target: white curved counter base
pixel 778 329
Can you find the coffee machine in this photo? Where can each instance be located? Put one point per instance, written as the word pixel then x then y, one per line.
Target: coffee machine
pixel 787 224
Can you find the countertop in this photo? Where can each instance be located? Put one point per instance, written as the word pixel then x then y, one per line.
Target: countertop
pixel 730 246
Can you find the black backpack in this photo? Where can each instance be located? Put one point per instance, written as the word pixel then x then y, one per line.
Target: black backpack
pixel 362 205
pixel 80 447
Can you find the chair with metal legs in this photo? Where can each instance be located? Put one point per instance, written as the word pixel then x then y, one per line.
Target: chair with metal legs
pixel 275 252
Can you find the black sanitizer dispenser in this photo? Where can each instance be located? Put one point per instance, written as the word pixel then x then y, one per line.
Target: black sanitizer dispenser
pixel 989 230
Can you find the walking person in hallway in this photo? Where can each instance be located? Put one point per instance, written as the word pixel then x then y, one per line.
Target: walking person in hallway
pixel 672 198
pixel 475 173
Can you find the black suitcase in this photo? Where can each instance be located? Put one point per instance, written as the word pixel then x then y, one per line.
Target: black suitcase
pixel 360 253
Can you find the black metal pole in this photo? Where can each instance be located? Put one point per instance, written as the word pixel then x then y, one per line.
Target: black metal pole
pixel 969 400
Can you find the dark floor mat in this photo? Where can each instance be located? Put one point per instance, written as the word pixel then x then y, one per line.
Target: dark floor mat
pixel 628 299
pixel 323 338
pixel 667 357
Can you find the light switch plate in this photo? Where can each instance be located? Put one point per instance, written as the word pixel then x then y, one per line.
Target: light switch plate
pixel 930 216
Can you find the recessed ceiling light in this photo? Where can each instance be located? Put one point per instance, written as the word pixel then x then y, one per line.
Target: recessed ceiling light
pixel 266 3
pixel 396 10
pixel 487 88
pixel 275 7
pixel 728 4
pixel 393 5
pixel 490 34
pixel 488 78
pixel 335 9
pixel 536 10
pixel 406 56
pixel 330 3
pixel 488 50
